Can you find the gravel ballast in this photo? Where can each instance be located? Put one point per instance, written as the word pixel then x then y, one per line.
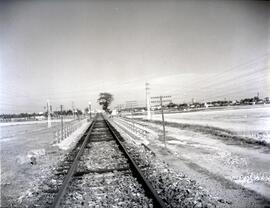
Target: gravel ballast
pixel 176 189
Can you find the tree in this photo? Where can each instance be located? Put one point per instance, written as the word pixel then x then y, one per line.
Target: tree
pixel 79 112
pixel 105 99
pixel 171 105
pixel 69 112
pixel 86 110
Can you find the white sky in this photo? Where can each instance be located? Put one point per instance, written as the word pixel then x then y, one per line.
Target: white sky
pixel 71 50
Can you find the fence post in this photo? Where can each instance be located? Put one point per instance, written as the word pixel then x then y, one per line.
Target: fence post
pixel 61 106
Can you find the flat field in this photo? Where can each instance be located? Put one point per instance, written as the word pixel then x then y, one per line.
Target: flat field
pixel 249 121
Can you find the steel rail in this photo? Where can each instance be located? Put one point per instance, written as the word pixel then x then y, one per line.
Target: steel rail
pixel 72 169
pixel 157 201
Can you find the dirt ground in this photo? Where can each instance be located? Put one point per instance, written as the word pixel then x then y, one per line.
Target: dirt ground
pixel 27 157
pixel 238 173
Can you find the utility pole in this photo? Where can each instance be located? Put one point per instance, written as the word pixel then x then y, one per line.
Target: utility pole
pixel 160 100
pixel 89 108
pixel 147 88
pixel 62 126
pixel 73 110
pixel 163 124
pixel 49 114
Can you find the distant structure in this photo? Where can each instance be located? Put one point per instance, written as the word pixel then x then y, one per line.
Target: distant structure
pixel 114 112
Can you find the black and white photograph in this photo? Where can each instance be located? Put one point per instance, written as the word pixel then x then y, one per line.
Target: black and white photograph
pixel 135 103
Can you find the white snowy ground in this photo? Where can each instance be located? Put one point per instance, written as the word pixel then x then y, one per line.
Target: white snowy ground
pixel 32 122
pixel 21 142
pixel 250 121
pixel 197 155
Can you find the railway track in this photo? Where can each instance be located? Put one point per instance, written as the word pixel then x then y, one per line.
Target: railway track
pixel 99 172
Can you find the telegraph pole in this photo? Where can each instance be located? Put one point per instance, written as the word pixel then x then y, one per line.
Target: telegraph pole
pixel 49 114
pixel 147 88
pixel 160 100
pixel 163 124
pixel 73 110
pixel 62 126
pixel 89 108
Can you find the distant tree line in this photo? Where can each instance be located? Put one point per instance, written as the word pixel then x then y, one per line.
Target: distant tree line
pixel 195 105
pixel 45 114
pixel 246 101
pixel 20 115
pixel 66 112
